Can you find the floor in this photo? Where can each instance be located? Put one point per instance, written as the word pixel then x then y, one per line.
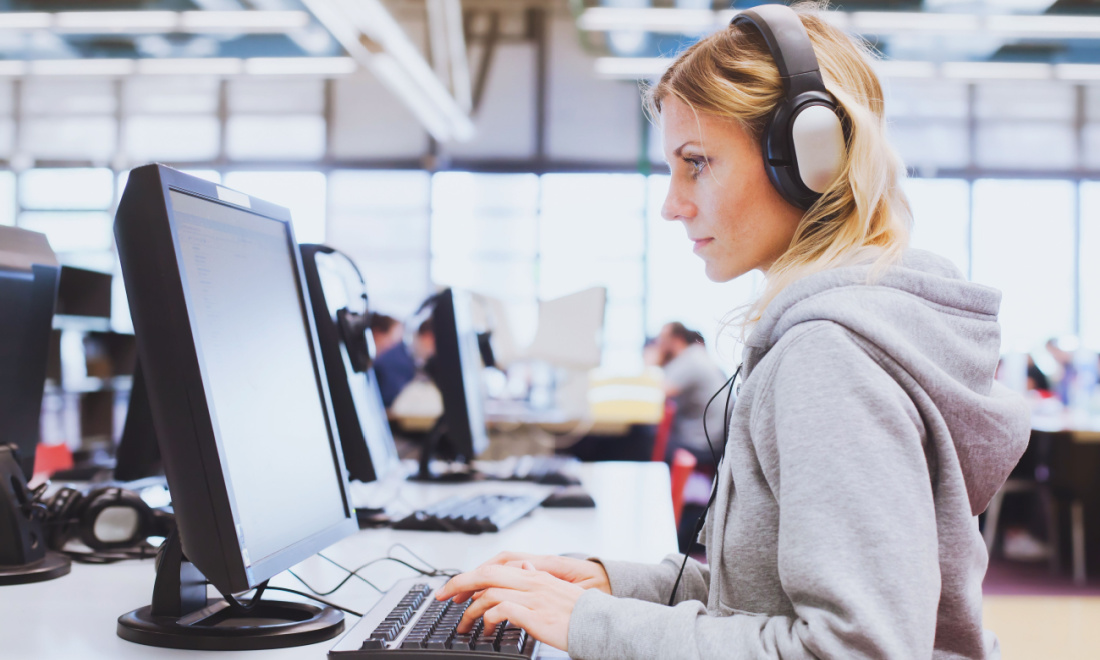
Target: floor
pixel 1036 615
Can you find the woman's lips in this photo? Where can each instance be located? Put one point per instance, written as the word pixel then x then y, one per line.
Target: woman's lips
pixel 699 244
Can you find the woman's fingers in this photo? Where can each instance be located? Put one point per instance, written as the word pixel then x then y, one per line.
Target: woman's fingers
pixel 489 599
pixel 484 577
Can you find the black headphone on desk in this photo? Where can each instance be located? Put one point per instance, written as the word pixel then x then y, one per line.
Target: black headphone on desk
pixel 804 142
pixel 111 521
pixel 354 327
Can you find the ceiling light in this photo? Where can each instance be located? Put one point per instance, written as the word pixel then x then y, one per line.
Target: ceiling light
pixel 631 68
pixel 24 21
pixel 318 66
pixel 12 68
pixel 1077 71
pixel 190 66
pixel 997 70
pixel 879 22
pixel 115 21
pixel 904 69
pixel 243 21
pixel 81 67
pixel 654 19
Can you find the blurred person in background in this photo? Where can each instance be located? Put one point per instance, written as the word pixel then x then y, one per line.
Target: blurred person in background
pixel 397 363
pixel 691 378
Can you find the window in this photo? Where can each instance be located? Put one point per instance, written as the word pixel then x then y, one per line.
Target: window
pixel 1024 245
pixel 941 218
pixel 7 198
pixel 678 288
pixel 1090 267
pixel 74 188
pixel 301 192
pixel 380 219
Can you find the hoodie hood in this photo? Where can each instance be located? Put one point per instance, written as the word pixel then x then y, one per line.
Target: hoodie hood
pixel 943 333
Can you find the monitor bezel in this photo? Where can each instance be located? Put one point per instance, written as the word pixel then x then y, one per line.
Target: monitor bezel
pixel 206 513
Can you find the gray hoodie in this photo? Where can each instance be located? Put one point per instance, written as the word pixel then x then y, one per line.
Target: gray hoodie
pixel 867 436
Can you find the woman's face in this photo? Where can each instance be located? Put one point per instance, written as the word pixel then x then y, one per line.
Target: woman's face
pixel 737 221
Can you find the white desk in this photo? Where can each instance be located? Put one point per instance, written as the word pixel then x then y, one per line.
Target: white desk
pixel 75 616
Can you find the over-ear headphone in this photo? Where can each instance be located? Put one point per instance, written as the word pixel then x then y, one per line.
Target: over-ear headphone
pixel 111 521
pixel 354 327
pixel 803 143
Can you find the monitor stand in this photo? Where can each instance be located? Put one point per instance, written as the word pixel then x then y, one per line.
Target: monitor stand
pixel 459 472
pixel 23 554
pixel 182 617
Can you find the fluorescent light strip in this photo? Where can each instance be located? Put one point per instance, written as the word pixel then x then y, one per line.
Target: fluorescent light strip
pixel 317 66
pixel 81 67
pixel 25 21
pixel 250 21
pixel 1077 71
pixel 221 66
pixel 997 70
pixel 157 22
pixel 630 68
pixel 214 66
pixel 635 68
pixel 670 20
pixel 115 21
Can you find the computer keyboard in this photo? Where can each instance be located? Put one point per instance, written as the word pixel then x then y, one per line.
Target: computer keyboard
pixel 410 624
pixel 473 515
pixel 542 469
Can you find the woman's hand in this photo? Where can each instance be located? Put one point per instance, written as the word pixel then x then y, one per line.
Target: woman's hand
pixel 519 593
pixel 581 572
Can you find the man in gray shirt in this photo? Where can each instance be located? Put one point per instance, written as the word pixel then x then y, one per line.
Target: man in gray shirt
pixel 691 379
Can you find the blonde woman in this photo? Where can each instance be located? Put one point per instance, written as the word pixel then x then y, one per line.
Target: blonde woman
pixel 868 432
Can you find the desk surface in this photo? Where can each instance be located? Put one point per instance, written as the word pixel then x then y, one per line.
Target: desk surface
pixel 75 616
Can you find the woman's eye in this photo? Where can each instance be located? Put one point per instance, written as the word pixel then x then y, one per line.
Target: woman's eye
pixel 696 164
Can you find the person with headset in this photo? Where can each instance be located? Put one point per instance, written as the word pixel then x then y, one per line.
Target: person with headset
pixel 868 432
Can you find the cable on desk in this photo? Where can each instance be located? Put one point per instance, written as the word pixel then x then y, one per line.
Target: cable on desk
pixel 449 572
pixel 318 599
pixel 433 572
pixel 252 602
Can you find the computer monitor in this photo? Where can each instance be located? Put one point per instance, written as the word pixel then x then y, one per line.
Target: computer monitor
pixel 337 296
pixel 240 405
pixel 29 273
pixel 456 369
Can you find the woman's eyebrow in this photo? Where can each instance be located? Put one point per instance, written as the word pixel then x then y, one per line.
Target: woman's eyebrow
pixel 680 149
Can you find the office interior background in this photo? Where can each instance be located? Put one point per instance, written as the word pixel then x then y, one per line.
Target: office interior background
pixel 500 145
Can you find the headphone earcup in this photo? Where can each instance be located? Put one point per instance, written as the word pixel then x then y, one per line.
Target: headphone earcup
pixel 355 331
pixel 114 501
pixel 804 147
pixel 62 516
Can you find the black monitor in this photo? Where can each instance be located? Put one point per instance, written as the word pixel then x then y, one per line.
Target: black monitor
pixel 29 273
pixel 240 405
pixel 456 369
pixel 343 331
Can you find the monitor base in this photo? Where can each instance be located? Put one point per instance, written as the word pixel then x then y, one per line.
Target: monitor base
pixel 217 627
pixel 52 566
pixel 436 441
pixel 182 617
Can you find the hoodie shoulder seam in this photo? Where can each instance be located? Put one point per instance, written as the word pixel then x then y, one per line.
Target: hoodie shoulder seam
pixel 816 325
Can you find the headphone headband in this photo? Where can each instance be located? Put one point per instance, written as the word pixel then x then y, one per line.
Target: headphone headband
pixel 804 142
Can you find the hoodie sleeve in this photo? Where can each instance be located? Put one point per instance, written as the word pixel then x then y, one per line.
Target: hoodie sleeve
pixel 653 582
pixel 840 444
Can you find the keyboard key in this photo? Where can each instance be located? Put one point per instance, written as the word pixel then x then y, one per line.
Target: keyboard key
pixel 511 646
pixel 373 643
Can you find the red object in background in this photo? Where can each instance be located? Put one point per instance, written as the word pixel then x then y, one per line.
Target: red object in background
pixel 51 458
pixel 683 464
pixel 664 427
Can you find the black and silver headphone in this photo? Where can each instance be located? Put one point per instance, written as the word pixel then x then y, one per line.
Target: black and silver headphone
pixel 112 522
pixel 804 142
pixel 354 327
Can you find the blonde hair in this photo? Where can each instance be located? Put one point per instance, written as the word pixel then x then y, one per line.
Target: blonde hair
pixel 864 214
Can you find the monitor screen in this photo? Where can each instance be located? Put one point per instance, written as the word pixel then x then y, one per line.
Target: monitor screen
pixel 240 280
